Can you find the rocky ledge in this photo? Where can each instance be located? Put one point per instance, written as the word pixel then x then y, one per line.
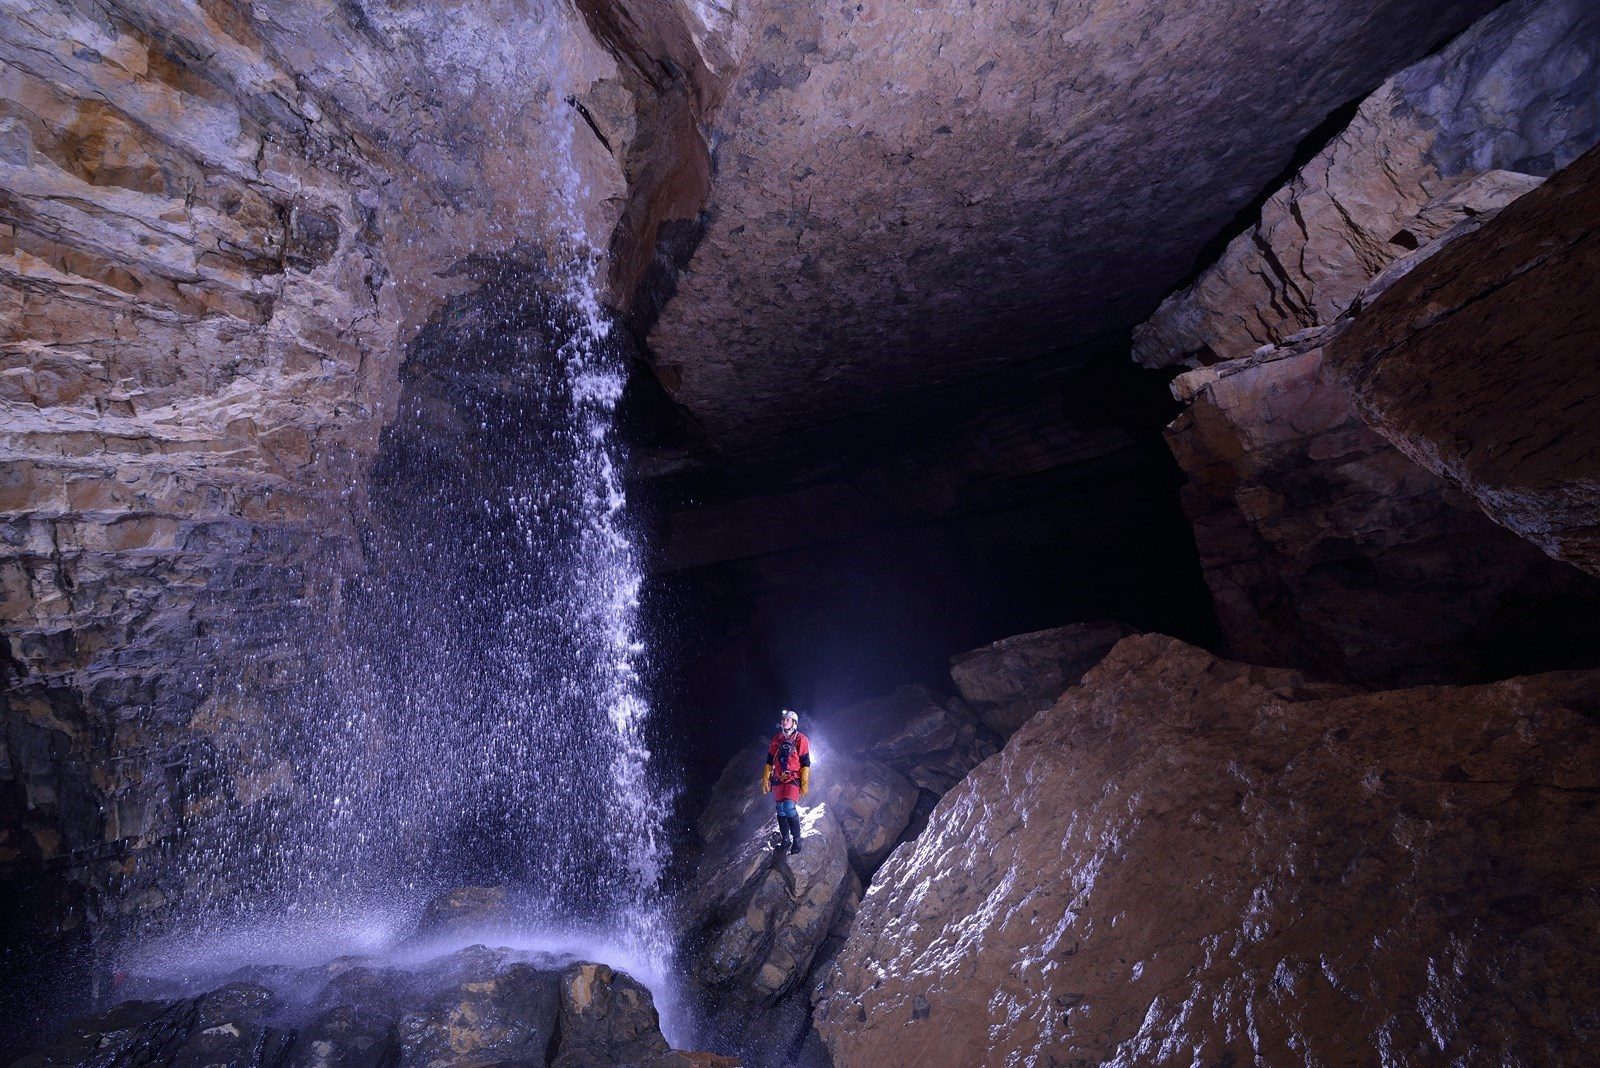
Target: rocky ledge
pixel 477 1006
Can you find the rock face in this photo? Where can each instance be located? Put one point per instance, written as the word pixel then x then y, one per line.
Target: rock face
pixel 1324 546
pixel 1184 844
pixel 1459 133
pixel 1327 548
pixel 478 1006
pixel 758 927
pixel 1009 681
pixel 755 921
pixel 218 226
pixel 931 739
pixel 1479 364
pixel 853 252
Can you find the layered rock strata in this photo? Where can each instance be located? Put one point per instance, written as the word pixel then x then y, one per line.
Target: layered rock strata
pixel 1326 548
pixel 1461 132
pixel 1189 860
pixel 1479 365
pixel 219 227
pixel 1323 545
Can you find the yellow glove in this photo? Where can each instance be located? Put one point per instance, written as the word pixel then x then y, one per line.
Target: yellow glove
pixel 766 779
pixel 805 781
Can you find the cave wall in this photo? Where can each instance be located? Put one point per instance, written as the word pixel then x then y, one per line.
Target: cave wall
pixel 1479 365
pixel 906 197
pixel 219 227
pixel 1324 545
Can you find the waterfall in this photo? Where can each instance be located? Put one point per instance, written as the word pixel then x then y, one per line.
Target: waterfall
pixel 476 713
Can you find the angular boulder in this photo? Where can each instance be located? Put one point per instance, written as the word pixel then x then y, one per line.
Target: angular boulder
pixel 1480 364
pixel 1327 548
pixel 1193 861
pixel 1008 681
pixel 1460 133
pixel 930 739
pixel 754 920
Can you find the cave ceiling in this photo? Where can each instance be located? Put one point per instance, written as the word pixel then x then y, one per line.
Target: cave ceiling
pixel 908 197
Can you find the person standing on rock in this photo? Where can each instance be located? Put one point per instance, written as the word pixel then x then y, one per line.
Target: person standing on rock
pixel 787 777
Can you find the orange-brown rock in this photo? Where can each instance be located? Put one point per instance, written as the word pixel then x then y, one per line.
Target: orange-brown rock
pixel 220 225
pixel 1458 134
pixel 1189 860
pixel 1479 365
pixel 1328 549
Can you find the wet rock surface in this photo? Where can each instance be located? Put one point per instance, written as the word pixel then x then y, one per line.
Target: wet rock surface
pixel 931 739
pixel 1479 365
pixel 754 920
pixel 477 1006
pixel 1010 680
pixel 1460 133
pixel 1184 844
pixel 759 928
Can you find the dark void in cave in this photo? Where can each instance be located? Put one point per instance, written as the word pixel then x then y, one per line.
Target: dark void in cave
pixel 440 439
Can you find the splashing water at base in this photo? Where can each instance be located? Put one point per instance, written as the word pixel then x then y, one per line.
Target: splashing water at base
pixel 477 714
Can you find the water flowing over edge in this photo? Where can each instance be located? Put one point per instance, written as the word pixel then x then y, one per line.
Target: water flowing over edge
pixel 241 898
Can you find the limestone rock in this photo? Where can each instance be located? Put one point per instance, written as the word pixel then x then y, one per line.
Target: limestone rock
pixel 1459 133
pixel 1327 548
pixel 1189 860
pixel 606 1019
pixel 930 739
pixel 1479 365
pixel 478 1006
pixel 871 801
pixel 345 1037
pixel 462 909
pixel 853 252
pixel 755 920
pixel 1010 680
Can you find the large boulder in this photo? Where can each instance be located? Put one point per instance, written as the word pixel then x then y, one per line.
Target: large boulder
pixel 1460 133
pixel 478 1006
pixel 931 739
pixel 1193 861
pixel 1327 548
pixel 1480 365
pixel 754 920
pixel 1011 679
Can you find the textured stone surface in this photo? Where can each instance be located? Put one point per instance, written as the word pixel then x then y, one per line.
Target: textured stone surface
pixel 753 921
pixel 219 224
pixel 1010 680
pixel 1327 548
pixel 854 252
pixel 478 1006
pixel 1463 131
pixel 1193 861
pixel 1480 364
pixel 931 739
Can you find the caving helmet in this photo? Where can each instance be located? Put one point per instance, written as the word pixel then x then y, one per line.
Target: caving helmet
pixel 788 720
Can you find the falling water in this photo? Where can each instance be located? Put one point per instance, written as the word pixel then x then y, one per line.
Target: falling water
pixel 477 714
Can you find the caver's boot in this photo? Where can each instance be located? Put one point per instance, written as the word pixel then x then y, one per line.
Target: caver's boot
pixel 783 845
pixel 794 833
